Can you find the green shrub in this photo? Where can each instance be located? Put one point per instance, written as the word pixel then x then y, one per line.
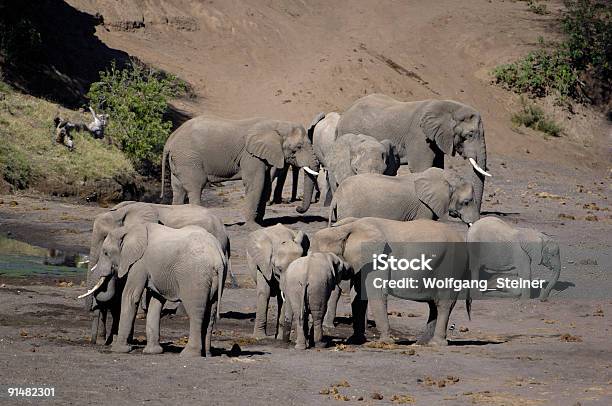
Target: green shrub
pixel 15 166
pixel 136 99
pixel 533 116
pixel 537 8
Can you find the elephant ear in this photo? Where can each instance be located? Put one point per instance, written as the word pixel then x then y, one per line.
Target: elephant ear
pixel 340 158
pixel 340 267
pixel 301 238
pixel 310 130
pixel 260 249
pixel 437 123
pixel 133 246
pixel 433 190
pixel 143 213
pixel 266 144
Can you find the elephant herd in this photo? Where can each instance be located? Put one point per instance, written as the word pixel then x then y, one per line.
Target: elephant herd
pixel 160 255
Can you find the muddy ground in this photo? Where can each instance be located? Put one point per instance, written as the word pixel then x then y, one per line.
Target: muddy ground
pixel 510 353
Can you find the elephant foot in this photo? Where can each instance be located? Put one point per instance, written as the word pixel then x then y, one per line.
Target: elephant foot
pixel 301 210
pixel 153 349
pixel 386 339
pixel 356 339
pixel 121 348
pixel 320 344
pixel 259 335
pixel 190 352
pixel 438 342
pixel 300 346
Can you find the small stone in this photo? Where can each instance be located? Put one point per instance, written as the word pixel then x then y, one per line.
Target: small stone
pixel 377 396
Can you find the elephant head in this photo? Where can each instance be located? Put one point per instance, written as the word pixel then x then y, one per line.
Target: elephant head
pixel 121 249
pixel 546 252
pixel 456 128
pixel 273 255
pixel 280 142
pixel 444 193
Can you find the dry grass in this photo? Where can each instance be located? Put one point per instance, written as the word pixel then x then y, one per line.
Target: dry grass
pixel 27 138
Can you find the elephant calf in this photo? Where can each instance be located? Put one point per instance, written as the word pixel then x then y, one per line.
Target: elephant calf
pixel 307 285
pixel 497 247
pixel 184 264
pixel 269 252
pixel 430 194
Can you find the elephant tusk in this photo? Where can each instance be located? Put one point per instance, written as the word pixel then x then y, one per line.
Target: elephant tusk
pixel 470 224
pixel 283 296
pixel 93 268
pixel 310 171
pixel 92 290
pixel 478 168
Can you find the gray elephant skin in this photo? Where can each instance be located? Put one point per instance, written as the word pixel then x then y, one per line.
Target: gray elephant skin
pixel 430 194
pixel 131 213
pixel 499 249
pixel 307 286
pixel 269 252
pixel 346 155
pixel 423 132
pixel 186 264
pixel 345 239
pixel 206 150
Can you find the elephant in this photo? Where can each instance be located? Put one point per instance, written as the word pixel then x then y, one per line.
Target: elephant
pixel 351 238
pixel 269 252
pixel 430 194
pixel 496 247
pixel 206 150
pixel 346 155
pixel 186 264
pixel 307 285
pixel 130 213
pixel 423 132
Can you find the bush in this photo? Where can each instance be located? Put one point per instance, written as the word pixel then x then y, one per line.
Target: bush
pixel 136 99
pixel 587 51
pixel 15 167
pixel 537 8
pixel 533 116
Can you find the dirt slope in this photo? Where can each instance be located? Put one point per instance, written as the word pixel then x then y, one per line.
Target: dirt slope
pixel 291 59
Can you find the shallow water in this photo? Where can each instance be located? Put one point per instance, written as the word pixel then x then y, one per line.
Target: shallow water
pixel 20 259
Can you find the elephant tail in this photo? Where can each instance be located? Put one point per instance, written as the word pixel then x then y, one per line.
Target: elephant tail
pixel 304 303
pixel 221 272
pixel 163 172
pixel 468 305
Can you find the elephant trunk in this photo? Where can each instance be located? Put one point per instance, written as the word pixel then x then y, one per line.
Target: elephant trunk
pixel 556 269
pixel 310 181
pixel 477 176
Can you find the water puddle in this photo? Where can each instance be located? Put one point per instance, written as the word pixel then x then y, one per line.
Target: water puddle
pixel 20 259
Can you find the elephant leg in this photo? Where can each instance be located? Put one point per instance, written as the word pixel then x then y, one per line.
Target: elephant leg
pixel 279 313
pixel 129 304
pixel 153 316
pixel 257 183
pixel 317 326
pixel 281 177
pixel 445 307
pixel 523 265
pixel 98 325
pixel 359 309
pixel 261 315
pixel 193 179
pixel 196 312
pixel 115 312
pixel 178 191
pixel 430 327
pixel 332 305
pixel 207 328
pixel 287 321
pixel 301 331
pixel 378 306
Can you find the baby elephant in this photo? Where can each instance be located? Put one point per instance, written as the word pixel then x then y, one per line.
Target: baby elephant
pixel 307 285
pixel 269 252
pixel 497 248
pixel 430 195
pixel 186 264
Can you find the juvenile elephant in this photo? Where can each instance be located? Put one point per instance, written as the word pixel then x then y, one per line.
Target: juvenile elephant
pixel 131 213
pixel 352 239
pixel 497 247
pixel 346 155
pixel 423 132
pixel 307 285
pixel 206 150
pixel 269 252
pixel 430 194
pixel 184 264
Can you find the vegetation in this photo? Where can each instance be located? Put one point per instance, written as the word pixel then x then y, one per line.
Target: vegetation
pixel 537 8
pixel 30 157
pixel 587 51
pixel 136 98
pixel 533 116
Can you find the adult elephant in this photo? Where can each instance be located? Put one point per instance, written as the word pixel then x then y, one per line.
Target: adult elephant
pixel 355 240
pixel 130 213
pixel 423 131
pixel 207 149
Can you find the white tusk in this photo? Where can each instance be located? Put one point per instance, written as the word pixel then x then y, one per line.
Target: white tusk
pixel 283 296
pixel 310 171
pixel 93 268
pixel 470 224
pixel 92 290
pixel 478 168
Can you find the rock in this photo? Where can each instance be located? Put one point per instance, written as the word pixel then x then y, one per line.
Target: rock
pixel 377 396
pixel 591 217
pixel 588 261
